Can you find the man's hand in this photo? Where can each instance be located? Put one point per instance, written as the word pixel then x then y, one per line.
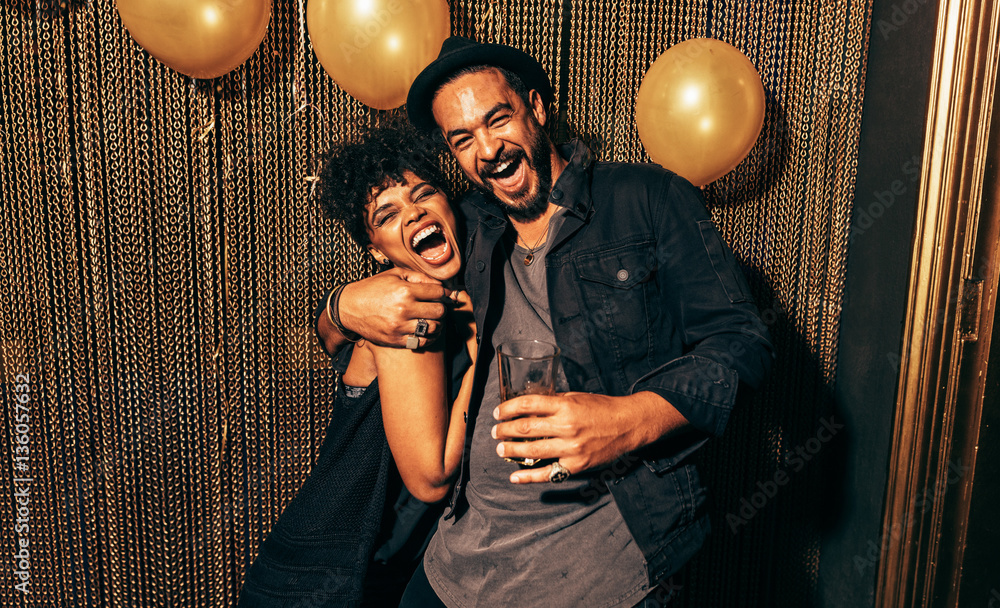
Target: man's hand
pixel 581 430
pixel 384 309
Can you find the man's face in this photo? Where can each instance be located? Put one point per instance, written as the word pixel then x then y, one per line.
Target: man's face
pixel 498 140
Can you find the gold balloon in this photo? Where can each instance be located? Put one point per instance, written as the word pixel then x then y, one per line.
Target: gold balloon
pixel 200 38
pixel 700 109
pixel 374 49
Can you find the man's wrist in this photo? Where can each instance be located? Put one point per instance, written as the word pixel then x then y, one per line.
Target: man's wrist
pixel 333 315
pixel 659 418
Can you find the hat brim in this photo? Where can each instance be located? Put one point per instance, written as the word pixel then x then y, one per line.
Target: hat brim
pixel 426 84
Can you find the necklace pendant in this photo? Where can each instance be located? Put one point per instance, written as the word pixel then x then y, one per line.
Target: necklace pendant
pixel 528 258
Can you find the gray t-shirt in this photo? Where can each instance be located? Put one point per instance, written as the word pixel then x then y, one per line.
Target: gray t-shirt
pixel 537 544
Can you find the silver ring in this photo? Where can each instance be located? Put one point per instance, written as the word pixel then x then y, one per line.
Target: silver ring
pixel 559 473
pixel 421 331
pixel 412 342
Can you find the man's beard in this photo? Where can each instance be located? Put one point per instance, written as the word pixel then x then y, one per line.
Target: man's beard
pixel 524 207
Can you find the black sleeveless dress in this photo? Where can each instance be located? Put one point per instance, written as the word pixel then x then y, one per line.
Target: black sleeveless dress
pixel 353 535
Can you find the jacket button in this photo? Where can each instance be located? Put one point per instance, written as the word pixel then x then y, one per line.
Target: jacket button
pixel 480 265
pixel 557 195
pixel 622 275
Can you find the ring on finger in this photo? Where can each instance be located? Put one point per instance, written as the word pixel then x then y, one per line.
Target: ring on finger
pixel 558 473
pixel 421 331
pixel 412 342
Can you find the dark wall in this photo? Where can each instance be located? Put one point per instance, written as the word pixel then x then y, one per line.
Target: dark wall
pixel 980 584
pixel 891 145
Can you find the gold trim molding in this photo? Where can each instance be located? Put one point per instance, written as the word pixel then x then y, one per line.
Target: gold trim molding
pixel 937 397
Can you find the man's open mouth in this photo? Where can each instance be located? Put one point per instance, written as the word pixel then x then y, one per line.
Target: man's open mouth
pixel 430 243
pixel 509 174
pixel 506 168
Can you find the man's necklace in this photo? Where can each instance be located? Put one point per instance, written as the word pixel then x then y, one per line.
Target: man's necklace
pixel 530 256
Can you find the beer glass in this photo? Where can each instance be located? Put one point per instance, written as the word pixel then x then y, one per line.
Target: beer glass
pixel 527 367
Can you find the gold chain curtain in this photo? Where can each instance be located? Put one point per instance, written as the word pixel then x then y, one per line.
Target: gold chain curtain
pixel 161 254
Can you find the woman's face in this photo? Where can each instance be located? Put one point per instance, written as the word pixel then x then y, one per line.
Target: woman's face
pixel 411 224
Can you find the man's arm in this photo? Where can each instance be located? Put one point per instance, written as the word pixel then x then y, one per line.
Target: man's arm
pixel 706 294
pixel 384 310
pixel 727 344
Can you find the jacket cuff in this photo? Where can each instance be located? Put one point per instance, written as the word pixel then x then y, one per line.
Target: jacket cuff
pixel 701 389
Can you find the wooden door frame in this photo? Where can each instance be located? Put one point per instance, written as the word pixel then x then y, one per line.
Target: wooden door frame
pixel 949 318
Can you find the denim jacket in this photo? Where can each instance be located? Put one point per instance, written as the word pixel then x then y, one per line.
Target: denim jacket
pixel 645 296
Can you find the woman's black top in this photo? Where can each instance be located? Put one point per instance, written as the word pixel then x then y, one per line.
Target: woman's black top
pixel 353 534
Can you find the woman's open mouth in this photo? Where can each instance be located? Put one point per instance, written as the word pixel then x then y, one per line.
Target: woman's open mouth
pixel 431 244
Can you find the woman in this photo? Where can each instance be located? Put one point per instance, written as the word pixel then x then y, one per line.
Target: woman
pixel 354 534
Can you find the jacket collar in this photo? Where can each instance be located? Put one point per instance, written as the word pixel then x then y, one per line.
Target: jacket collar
pixel 571 190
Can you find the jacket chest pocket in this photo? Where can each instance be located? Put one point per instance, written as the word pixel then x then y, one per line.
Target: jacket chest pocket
pixel 615 288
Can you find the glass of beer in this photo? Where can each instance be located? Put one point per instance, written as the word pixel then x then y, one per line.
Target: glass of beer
pixel 527 367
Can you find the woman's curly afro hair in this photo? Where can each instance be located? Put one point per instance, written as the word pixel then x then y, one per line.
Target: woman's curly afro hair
pixel 376 160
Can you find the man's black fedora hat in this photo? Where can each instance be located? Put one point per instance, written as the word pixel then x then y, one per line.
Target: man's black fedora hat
pixel 457 53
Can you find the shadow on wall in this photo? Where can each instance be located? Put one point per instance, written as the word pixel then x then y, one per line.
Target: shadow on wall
pixel 775 480
pixel 761 171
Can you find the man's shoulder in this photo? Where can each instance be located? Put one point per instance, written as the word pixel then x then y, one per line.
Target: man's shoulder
pixel 472 215
pixel 617 180
pixel 472 204
pixel 470 197
pixel 632 171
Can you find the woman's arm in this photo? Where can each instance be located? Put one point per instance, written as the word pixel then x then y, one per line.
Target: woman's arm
pixel 426 434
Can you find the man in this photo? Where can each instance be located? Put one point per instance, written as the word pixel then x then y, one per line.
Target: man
pixel 620 266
